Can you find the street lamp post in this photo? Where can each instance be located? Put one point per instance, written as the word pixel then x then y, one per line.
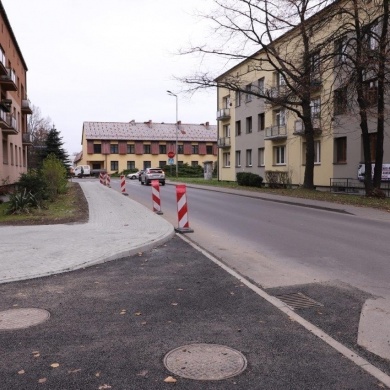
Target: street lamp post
pixel 177 130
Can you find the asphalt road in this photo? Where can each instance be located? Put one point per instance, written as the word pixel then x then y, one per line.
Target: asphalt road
pixel 111 325
pixel 278 244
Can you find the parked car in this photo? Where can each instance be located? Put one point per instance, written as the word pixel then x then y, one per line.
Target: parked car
pixel 134 175
pixel 85 171
pixel 152 174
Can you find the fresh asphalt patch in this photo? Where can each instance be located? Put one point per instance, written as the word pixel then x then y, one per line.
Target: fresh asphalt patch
pixel 111 326
pixel 338 315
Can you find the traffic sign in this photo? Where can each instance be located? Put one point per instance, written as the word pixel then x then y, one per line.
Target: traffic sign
pixel 171 154
pixel 170 161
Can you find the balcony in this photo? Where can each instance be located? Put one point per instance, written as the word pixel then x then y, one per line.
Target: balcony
pixel 278 94
pixel 223 114
pixel 299 128
pixel 224 142
pixel 5 105
pixel 8 123
pixel 8 81
pixel 275 132
pixel 27 139
pixel 26 106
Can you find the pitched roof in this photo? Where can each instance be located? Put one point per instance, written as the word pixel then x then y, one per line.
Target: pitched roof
pixel 148 131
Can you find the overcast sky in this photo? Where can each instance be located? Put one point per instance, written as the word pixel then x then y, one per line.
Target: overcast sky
pixel 95 60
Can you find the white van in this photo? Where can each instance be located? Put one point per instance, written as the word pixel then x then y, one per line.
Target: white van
pixel 385 172
pixel 86 168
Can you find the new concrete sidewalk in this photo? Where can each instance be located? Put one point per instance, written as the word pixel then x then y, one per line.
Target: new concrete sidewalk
pixel 117 227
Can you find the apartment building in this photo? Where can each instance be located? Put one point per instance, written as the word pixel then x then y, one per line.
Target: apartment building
pixel 117 146
pixel 14 105
pixel 256 134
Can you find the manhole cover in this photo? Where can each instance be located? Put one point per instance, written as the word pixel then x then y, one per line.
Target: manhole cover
pixel 22 318
pixel 205 362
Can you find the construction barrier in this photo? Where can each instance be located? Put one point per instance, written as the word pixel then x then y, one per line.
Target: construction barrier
pixel 123 184
pixel 182 210
pixel 102 178
pixel 156 197
pixel 108 180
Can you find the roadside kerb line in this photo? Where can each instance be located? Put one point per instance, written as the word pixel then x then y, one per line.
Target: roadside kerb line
pixel 345 351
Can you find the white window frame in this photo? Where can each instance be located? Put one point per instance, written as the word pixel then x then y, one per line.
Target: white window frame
pixel 238 158
pixel 226 130
pixel 315 107
pixel 260 157
pixel 249 157
pixel 226 159
pixel 280 117
pixel 280 155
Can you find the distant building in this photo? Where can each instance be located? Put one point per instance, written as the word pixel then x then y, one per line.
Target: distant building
pixel 117 146
pixel 14 105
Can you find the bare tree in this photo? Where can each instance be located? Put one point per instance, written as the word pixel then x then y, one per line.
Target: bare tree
pixel 39 128
pixel 299 59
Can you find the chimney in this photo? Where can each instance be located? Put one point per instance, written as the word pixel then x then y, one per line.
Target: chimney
pixel 149 123
pixel 207 125
pixel 179 123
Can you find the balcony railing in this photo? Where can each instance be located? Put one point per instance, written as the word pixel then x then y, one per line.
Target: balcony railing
pixel 223 114
pixel 27 139
pixel 8 123
pixel 26 106
pixel 299 128
pixel 275 132
pixel 8 81
pixel 224 142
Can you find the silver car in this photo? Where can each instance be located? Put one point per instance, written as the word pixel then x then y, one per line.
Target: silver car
pixel 153 174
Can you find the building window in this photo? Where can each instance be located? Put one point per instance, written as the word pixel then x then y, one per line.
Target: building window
pixel 238 99
pixel 194 163
pixel 340 101
pixel 280 117
pixel 162 164
pixel 209 149
pixel 180 149
pixel 260 157
pixel 114 166
pixel 5 152
pixel 130 149
pixel 114 148
pixel 315 108
pixel 373 33
pixel 147 149
pixel 373 140
pixel 195 149
pixel 341 50
pixel 238 158
pixel 280 155
pixel 97 148
pixel 226 102
pixel 248 125
pixel 162 149
pixel 317 152
pixel 238 128
pixel 248 96
pixel 260 85
pixel 249 157
pixel 315 67
pixel 341 150
pixel 370 91
pixel 226 160
pixel 147 164
pixel 226 130
pixel 261 122
pixel 131 165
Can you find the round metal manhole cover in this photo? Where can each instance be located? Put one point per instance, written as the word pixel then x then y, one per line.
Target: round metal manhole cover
pixel 22 318
pixel 205 362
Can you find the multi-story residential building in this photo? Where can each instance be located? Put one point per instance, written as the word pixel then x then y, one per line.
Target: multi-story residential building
pixel 256 134
pixel 116 146
pixel 14 105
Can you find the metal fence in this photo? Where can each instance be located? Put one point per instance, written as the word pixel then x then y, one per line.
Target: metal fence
pixel 353 186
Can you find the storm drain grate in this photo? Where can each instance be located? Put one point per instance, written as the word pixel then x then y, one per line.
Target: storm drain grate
pixel 205 362
pixel 298 300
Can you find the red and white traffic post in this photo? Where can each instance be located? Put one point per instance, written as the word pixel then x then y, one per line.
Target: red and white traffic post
pixel 108 180
pixel 123 185
pixel 102 178
pixel 182 210
pixel 156 197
